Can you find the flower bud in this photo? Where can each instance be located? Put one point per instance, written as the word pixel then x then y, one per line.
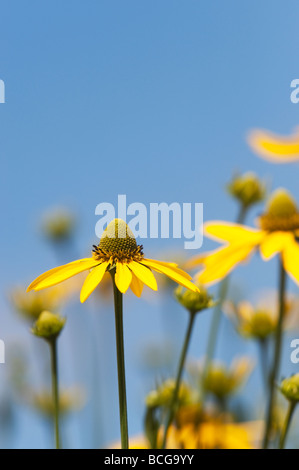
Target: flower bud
pixel 194 302
pixel 290 387
pixel 48 325
pixel 248 189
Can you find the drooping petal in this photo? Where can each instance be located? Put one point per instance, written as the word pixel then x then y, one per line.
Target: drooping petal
pixel 173 266
pixel 290 259
pixel 123 277
pixel 274 243
pixel 220 262
pixel 144 274
pixel 136 285
pixel 93 280
pixel 61 273
pixel 273 147
pixel 173 273
pixel 231 233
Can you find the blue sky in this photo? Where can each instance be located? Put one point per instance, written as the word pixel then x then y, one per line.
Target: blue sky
pixel 148 99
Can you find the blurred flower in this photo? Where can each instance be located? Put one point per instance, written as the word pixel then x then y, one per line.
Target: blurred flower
pixel 220 380
pixel 48 325
pixel 260 321
pixel 58 224
pixel 70 400
pixel 290 388
pixel 194 302
pixel 279 229
pixel 248 189
pixel 163 394
pixel 31 305
pixel 273 147
pixel 117 248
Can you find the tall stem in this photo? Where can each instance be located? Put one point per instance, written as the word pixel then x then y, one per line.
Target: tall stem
pixel 178 378
pixel 292 406
pixel 277 354
pixel 216 318
pixel 53 348
pixel 263 343
pixel 119 330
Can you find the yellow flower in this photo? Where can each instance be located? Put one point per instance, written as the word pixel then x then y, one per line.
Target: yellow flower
pixel 260 320
pixel 58 224
pixel 117 249
pixel 70 399
pixel 32 305
pixel 279 228
pixel 273 147
pixel 223 381
pixel 290 388
pixel 248 189
pixel 162 395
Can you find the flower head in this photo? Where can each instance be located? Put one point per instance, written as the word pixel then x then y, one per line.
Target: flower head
pixel 58 225
pixel 194 302
pixel 48 325
pixel 259 320
pixel 70 400
pixel 248 189
pixel 279 228
pixel 30 306
pixel 273 147
pixel 290 388
pixel 119 251
pixel 162 395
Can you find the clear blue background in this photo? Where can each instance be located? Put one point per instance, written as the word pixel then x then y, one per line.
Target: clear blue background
pixel 152 99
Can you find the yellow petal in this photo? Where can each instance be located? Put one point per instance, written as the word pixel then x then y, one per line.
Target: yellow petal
pixel 123 277
pixel 220 262
pixel 136 285
pixel 173 266
pixel 274 243
pixel 93 280
pixel 174 273
pixel 290 259
pixel 57 275
pixel 273 147
pixel 230 232
pixel 144 274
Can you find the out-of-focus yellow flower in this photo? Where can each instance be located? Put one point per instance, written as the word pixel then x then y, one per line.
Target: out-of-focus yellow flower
pixel 248 189
pixel 58 224
pixel 31 305
pixel 260 321
pixel 221 380
pixel 273 147
pixel 117 249
pixel 70 400
pixel 217 435
pixel 162 395
pixel 277 235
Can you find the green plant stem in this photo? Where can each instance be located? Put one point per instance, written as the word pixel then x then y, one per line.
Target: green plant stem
pixel 119 330
pixel 292 406
pixel 53 348
pixel 175 395
pixel 216 318
pixel 277 354
pixel 263 343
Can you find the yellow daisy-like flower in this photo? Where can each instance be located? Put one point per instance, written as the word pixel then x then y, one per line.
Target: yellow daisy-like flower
pixel 278 232
pixel 117 249
pixel 273 147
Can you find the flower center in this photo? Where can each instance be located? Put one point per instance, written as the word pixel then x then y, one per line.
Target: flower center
pixel 281 214
pixel 118 244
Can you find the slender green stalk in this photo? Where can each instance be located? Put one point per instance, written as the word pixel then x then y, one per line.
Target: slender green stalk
pixel 263 343
pixel 175 395
pixel 292 406
pixel 53 348
pixel 119 330
pixel 216 318
pixel 277 354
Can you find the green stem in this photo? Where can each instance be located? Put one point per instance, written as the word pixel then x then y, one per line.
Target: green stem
pixel 292 406
pixel 277 355
pixel 53 348
pixel 262 343
pixel 119 330
pixel 178 378
pixel 216 318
